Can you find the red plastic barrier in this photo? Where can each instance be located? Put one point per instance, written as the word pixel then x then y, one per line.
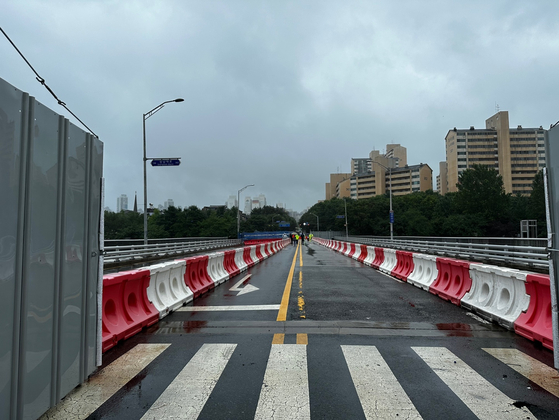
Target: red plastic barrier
pixel 126 308
pixel 258 253
pixel 453 280
pixel 535 323
pixel 338 246
pixel 196 276
pixel 229 262
pixel 363 254
pixel 379 258
pixel 404 265
pixel 247 257
pixel 351 250
pixel 343 247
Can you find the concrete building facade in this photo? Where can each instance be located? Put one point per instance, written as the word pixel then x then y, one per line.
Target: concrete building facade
pixel 122 203
pixel 516 154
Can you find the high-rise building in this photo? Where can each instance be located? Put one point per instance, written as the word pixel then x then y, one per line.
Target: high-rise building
pixel 168 203
pixel 517 154
pixel 231 202
pixel 122 203
pixel 248 205
pixel 261 200
pixel 360 165
pixel 333 184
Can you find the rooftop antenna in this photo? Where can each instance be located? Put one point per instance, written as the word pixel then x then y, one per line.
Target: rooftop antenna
pixel 496 108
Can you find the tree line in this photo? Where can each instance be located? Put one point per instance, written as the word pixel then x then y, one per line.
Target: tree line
pixel 479 208
pixel 176 222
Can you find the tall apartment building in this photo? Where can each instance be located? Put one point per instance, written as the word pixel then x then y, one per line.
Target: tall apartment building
pixel 331 186
pixel 168 203
pixel 122 203
pixel 372 176
pixel 517 154
pixel 360 165
pixel 406 180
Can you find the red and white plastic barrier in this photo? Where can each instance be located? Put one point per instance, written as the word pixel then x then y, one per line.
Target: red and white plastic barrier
pixel 497 293
pixel 215 268
pixel 453 280
pixel 536 324
pixel 389 261
pixel 512 298
pixel 167 290
pixel 424 272
pixel 126 308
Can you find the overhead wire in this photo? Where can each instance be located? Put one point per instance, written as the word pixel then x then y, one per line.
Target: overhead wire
pixel 43 82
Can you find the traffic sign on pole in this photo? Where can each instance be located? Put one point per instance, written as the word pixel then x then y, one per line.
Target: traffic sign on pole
pixel 166 162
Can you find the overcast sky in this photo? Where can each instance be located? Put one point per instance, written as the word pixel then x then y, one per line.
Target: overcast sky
pixel 280 93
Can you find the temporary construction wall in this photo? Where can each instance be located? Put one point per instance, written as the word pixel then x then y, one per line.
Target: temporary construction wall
pixel 50 195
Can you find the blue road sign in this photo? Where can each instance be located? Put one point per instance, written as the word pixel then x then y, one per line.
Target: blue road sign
pixel 284 224
pixel 340 217
pixel 165 162
pixel 392 217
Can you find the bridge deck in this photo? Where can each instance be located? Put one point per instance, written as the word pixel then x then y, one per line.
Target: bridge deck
pixel 341 341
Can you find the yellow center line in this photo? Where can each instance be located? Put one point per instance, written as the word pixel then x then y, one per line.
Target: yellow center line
pixel 278 338
pixel 302 339
pixel 301 257
pixel 282 314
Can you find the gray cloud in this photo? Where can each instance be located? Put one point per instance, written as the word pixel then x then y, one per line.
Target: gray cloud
pixel 280 94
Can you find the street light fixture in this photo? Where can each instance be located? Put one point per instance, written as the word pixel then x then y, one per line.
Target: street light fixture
pixel 239 209
pixel 317 222
pixel 145 117
pixel 390 194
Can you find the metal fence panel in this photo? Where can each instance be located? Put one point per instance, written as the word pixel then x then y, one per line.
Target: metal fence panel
pixel 12 149
pixel 50 175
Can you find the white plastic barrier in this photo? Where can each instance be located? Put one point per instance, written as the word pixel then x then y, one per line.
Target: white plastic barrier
pixel 497 293
pixel 357 252
pixel 370 256
pixel 425 271
pixel 167 289
pixel 389 262
pixel 239 259
pixel 216 271
pixel 253 256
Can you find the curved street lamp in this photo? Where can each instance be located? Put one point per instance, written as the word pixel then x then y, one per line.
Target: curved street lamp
pixel 145 117
pixel 317 222
pixel 239 208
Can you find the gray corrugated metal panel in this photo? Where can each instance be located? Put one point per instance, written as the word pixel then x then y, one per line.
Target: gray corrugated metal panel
pixel 47 287
pixel 13 164
pixel 39 282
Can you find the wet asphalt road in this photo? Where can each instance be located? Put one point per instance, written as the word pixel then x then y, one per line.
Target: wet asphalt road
pixel 335 305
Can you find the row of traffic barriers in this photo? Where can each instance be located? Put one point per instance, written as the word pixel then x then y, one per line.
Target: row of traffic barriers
pixel 517 300
pixel 136 299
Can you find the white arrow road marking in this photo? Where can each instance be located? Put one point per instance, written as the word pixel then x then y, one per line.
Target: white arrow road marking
pixel 247 289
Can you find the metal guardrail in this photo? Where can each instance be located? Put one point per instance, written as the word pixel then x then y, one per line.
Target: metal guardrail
pixel 117 251
pixel 510 252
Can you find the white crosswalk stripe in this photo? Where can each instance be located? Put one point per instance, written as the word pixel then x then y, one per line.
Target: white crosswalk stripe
pixel 381 396
pixel 285 390
pixel 485 401
pixel 185 397
pixel 285 385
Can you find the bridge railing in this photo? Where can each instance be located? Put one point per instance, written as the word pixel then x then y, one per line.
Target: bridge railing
pixel 511 252
pixel 126 250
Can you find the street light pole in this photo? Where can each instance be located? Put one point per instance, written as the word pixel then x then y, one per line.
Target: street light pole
pixel 345 209
pixel 390 194
pixel 239 208
pixel 317 222
pixel 145 117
